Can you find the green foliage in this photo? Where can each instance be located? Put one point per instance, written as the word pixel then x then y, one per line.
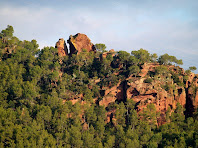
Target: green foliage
pixel 133 60
pixel 110 81
pixel 188 72
pixel 120 114
pixel 109 57
pixel 185 78
pixel 143 55
pixel 179 62
pixel 96 91
pixel 154 57
pixel 100 47
pixel 7 33
pixel 134 69
pixel 150 115
pixel 192 68
pixel 167 87
pixel 176 79
pixel 36 86
pixel 160 70
pixel 148 80
pixel 123 57
pixel 167 59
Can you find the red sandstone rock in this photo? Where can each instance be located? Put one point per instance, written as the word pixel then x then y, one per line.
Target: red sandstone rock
pixel 111 52
pixel 196 99
pixel 62 48
pixel 112 94
pixel 79 42
pixel 146 93
pixel 147 67
pixel 181 96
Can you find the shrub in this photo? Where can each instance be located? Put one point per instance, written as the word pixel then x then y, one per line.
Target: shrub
pixel 148 80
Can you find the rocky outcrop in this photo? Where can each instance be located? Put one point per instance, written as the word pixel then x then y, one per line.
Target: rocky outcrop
pixel 191 94
pixel 154 92
pixel 147 67
pixel 79 42
pixel 62 48
pixel 195 102
pixel 146 92
pixel 110 52
pixel 110 95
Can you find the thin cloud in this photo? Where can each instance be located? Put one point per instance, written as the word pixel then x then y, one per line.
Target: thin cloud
pixel 158 26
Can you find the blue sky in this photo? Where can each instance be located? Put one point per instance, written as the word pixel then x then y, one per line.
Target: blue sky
pixel 159 26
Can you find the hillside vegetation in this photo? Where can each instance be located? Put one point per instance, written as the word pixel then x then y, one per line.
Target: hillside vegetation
pixel 92 97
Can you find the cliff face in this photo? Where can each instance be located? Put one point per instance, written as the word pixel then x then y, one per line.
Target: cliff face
pixel 163 98
pixel 163 90
pixel 113 94
pixel 191 94
pixel 144 93
pixel 79 42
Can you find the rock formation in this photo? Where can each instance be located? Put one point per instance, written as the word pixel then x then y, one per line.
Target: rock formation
pixel 144 93
pixel 136 88
pixel 62 48
pixel 79 42
pixel 111 52
pixel 112 94
pixel 191 94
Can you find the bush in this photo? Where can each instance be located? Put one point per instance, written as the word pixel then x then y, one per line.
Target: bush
pixel 148 80
pixel 177 80
pixel 161 70
pixel 185 78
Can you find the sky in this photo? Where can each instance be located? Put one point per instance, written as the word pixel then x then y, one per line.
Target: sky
pixel 159 26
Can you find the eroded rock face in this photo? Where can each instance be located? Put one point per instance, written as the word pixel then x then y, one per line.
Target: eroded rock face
pixel 79 42
pixel 112 94
pixel 62 48
pixel 196 99
pixel 144 93
pixel 147 67
pixel 196 95
pixel 154 92
pixel 191 94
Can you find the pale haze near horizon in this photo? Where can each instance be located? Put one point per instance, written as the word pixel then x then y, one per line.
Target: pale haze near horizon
pixel 157 26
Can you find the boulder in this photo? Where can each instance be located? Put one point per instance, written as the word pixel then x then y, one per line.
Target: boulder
pixel 62 48
pixel 79 42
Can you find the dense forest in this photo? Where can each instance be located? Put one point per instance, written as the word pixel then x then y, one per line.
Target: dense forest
pixel 40 107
